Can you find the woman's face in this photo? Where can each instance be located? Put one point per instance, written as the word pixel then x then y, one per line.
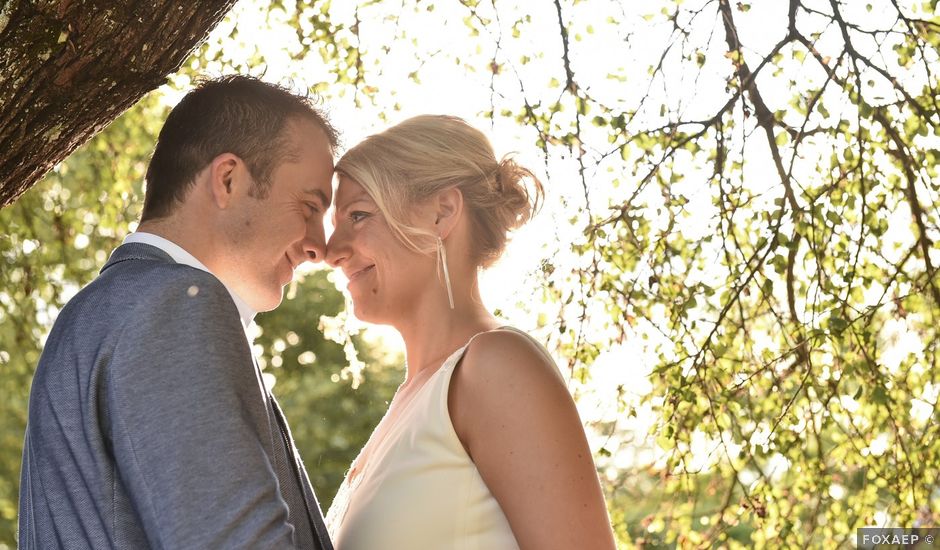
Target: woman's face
pixel 387 280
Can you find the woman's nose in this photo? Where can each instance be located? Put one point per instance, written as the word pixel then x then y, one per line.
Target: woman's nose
pixel 336 250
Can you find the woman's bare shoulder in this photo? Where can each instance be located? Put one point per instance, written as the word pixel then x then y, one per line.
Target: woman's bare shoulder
pixel 510 353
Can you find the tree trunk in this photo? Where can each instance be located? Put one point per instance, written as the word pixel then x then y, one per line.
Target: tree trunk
pixel 70 67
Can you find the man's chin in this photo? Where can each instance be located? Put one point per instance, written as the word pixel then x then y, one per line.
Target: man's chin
pixel 277 302
pixel 269 303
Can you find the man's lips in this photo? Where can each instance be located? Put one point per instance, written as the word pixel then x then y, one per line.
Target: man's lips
pixel 356 274
pixel 287 277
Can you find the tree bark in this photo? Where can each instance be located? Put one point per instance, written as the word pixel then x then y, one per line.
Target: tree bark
pixel 70 67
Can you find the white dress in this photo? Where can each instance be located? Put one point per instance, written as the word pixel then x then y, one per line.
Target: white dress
pixel 418 490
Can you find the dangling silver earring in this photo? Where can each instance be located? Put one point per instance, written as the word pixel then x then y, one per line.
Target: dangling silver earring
pixel 442 254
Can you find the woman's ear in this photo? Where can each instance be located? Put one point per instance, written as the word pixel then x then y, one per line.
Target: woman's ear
pixel 448 205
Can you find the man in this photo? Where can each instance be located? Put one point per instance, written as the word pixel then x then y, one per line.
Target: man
pixel 149 424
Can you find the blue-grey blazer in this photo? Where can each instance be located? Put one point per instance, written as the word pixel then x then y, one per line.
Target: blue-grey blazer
pixel 149 426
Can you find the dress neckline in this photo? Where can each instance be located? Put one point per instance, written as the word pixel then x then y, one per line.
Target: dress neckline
pixel 393 425
pixel 357 472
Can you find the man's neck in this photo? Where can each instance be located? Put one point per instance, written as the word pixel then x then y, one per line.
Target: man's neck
pixel 195 249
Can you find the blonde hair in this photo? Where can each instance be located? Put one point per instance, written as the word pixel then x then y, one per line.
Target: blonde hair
pixel 410 162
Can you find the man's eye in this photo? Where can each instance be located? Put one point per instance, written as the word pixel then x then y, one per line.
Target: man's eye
pixel 358 216
pixel 313 207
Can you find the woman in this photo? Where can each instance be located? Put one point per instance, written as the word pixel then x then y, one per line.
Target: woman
pixel 481 446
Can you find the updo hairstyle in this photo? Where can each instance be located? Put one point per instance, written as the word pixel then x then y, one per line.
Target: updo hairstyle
pixel 410 162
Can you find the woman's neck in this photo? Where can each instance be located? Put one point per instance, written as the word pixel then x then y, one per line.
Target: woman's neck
pixel 432 336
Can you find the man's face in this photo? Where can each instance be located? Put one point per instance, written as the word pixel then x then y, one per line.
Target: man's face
pixel 270 237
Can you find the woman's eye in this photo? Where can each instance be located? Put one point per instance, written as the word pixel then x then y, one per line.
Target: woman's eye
pixel 358 216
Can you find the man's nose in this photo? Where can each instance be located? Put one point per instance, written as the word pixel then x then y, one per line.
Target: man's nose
pixel 314 252
pixel 314 245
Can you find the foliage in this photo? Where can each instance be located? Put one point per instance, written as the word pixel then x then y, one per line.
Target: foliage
pixel 773 238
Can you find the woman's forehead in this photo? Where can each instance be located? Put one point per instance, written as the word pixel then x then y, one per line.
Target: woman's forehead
pixel 349 190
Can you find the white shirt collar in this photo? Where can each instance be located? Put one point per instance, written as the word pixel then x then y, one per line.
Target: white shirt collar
pixel 180 256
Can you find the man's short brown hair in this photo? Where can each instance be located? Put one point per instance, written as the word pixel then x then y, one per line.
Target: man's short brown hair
pixel 234 114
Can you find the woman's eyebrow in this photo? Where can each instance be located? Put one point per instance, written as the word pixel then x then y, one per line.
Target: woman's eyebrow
pixel 354 201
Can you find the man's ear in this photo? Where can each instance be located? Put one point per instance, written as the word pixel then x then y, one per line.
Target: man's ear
pixel 448 204
pixel 225 174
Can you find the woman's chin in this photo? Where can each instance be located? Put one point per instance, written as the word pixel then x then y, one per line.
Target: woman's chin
pixel 360 312
pixel 369 315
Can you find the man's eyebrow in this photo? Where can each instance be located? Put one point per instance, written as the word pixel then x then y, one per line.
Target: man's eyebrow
pixel 319 194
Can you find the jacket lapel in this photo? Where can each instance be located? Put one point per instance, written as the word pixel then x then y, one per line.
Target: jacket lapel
pixel 313 505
